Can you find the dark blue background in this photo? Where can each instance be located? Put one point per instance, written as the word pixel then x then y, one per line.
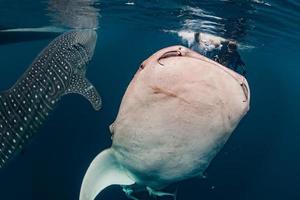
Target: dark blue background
pixel 260 161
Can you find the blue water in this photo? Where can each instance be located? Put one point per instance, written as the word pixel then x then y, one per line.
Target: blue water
pixel 260 161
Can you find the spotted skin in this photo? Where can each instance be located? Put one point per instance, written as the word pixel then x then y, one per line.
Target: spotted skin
pixel 58 70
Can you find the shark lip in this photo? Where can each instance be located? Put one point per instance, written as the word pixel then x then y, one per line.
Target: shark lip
pixel 181 51
pixel 169 54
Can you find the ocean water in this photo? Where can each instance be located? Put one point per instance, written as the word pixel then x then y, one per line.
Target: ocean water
pixel 261 159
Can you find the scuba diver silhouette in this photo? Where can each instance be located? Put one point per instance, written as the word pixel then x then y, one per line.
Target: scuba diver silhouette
pixel 220 50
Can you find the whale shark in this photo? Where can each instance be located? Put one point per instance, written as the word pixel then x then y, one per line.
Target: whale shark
pixel 58 70
pixel 177 113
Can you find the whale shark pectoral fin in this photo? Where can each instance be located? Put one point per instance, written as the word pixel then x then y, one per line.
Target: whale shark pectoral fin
pixel 103 172
pixel 81 85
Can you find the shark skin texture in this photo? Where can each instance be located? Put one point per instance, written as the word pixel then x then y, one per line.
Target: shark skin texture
pixel 57 71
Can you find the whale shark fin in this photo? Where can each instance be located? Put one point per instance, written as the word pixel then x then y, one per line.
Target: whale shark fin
pixel 81 85
pixel 103 172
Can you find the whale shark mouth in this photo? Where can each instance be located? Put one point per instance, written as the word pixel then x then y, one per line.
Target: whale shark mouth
pixel 181 51
pixel 170 54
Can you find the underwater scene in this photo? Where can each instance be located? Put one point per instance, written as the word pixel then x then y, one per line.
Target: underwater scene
pixel 149 99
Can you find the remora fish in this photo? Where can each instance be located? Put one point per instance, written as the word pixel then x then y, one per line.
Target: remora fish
pixel 177 113
pixel 58 70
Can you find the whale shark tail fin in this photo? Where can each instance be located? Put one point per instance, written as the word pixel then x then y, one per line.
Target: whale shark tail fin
pixel 103 172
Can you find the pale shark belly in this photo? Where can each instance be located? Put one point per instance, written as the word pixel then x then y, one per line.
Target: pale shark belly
pixel 175 132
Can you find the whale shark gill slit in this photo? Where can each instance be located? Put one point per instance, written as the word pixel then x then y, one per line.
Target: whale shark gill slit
pixel 58 70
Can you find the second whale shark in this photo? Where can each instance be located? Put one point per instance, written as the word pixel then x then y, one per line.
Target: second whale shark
pixel 58 70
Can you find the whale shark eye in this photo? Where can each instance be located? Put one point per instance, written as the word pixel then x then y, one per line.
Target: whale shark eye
pixel 142 66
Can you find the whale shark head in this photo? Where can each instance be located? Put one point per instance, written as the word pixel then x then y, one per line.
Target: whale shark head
pixel 79 44
pixel 87 38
